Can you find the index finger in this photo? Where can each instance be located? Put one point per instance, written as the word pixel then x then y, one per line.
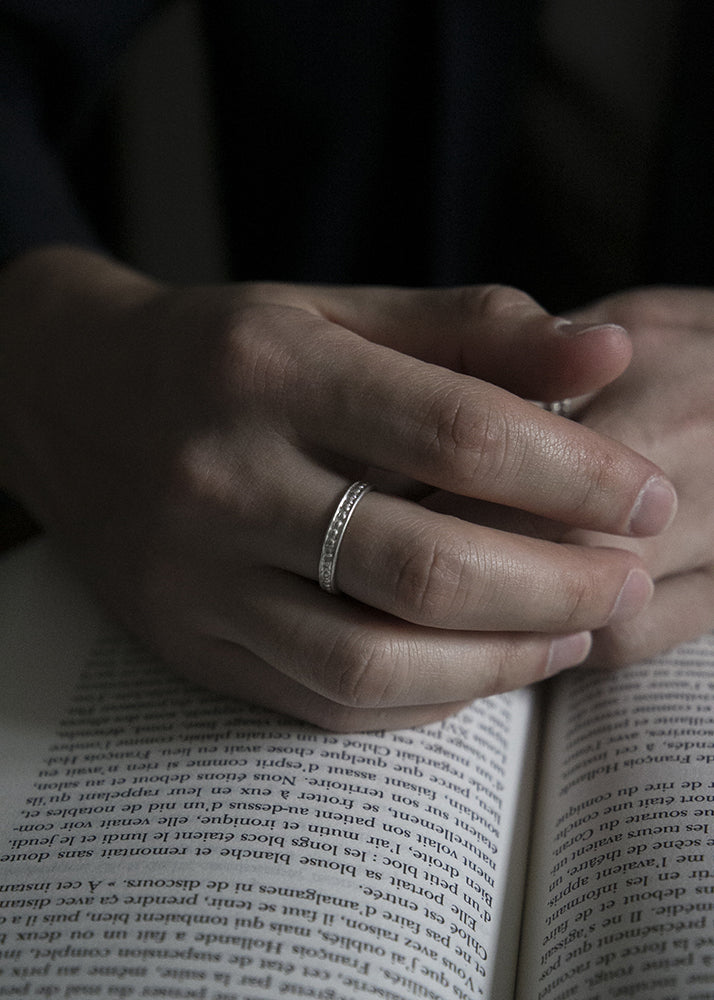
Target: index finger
pixel 454 432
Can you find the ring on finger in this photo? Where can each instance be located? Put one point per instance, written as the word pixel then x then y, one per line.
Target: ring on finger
pixel 327 568
pixel 561 407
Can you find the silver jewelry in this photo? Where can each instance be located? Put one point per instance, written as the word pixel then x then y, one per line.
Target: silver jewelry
pixel 561 407
pixel 335 533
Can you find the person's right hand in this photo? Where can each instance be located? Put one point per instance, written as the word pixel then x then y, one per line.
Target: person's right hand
pixel 189 447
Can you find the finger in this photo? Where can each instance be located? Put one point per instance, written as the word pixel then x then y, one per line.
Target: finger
pixel 496 333
pixel 232 670
pixel 443 572
pixel 685 546
pixel 681 609
pixel 672 553
pixel 349 400
pixel 468 437
pixel 417 564
pixel 361 658
pixel 666 307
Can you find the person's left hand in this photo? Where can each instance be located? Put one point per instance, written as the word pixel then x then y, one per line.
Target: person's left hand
pixel 663 407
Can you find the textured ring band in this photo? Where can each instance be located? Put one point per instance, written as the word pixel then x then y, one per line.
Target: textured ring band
pixel 561 407
pixel 335 533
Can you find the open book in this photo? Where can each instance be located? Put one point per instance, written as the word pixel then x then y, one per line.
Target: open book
pixel 159 841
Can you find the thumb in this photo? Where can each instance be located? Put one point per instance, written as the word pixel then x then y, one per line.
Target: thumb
pixel 493 332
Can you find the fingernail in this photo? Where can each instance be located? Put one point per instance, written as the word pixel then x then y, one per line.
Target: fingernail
pixel 569 329
pixel 635 594
pixel 567 651
pixel 654 508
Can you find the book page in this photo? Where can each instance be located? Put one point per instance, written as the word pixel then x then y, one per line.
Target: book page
pixel 621 883
pixel 157 840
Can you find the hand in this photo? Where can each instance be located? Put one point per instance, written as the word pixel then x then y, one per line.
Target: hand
pixel 189 447
pixel 663 407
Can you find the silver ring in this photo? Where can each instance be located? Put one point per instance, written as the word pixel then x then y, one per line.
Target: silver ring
pixel 335 533
pixel 561 407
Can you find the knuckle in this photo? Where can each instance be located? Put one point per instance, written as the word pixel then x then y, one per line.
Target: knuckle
pixel 510 663
pixel 201 481
pixel 498 452
pixel 262 366
pixel 597 480
pixel 592 471
pixel 256 360
pixel 452 427
pixel 513 662
pixel 588 590
pixel 366 671
pixel 198 476
pixel 472 439
pixel 203 490
pixel 430 585
pixel 575 607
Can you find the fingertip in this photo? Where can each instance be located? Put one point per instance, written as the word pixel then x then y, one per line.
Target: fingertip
pixel 634 596
pixel 567 651
pixel 605 346
pixel 572 358
pixel 654 509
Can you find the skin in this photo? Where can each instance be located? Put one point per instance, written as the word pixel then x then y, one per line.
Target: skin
pixel 188 447
pixel 663 407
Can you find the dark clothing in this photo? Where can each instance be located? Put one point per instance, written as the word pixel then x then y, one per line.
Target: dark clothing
pixel 680 240
pixel 367 136
pixel 53 58
pixel 360 141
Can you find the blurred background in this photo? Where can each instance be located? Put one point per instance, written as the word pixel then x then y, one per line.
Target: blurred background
pixel 597 108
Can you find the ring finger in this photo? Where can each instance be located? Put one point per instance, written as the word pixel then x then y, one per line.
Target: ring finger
pixel 358 657
pixel 430 568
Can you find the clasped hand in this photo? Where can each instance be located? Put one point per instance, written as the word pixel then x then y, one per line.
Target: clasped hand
pixel 189 447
